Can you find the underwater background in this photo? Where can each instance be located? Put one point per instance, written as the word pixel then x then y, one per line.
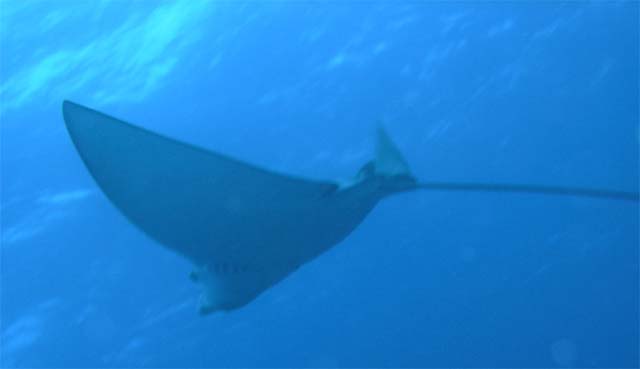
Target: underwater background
pixel 527 92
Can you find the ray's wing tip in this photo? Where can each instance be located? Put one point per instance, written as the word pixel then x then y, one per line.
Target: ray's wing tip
pixel 67 107
pixel 66 112
pixel 75 115
pixel 68 104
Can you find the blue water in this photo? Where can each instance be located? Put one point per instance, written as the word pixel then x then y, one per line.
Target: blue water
pixel 528 92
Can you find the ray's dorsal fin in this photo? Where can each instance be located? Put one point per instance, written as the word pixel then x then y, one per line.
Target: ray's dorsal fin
pixel 389 161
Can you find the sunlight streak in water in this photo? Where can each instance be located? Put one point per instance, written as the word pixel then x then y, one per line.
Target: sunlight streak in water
pixel 134 58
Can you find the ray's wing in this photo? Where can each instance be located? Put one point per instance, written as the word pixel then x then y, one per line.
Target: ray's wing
pixel 206 206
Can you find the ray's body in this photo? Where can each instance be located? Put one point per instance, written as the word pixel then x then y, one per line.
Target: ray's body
pixel 244 228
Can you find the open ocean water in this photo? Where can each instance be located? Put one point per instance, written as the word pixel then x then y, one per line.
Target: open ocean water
pixel 542 92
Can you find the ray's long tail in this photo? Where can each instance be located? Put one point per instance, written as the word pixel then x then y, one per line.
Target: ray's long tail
pixel 531 189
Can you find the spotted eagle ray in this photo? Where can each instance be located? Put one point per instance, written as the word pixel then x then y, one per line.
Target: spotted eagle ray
pixel 243 228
